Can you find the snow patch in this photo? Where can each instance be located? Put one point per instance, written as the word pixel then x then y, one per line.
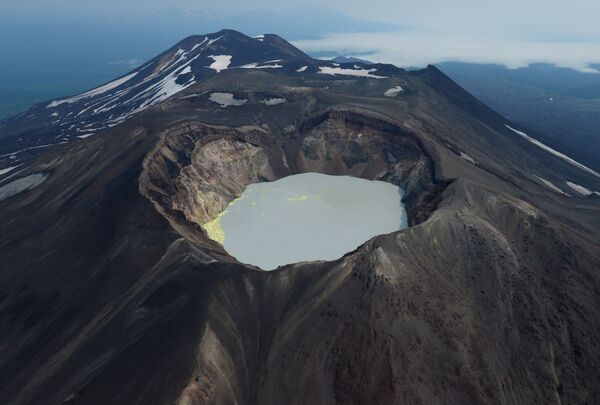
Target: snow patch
pixel 582 190
pixel 302 69
pixel 181 54
pixel 188 96
pixel 257 66
pixel 221 62
pixel 327 70
pixel 554 152
pixel 162 90
pixel 273 101
pixel 198 45
pixel 212 41
pixel 23 184
pixel 8 169
pixel 26 149
pixel 94 92
pixel 551 186
pixel 468 158
pixel 226 99
pixel 394 91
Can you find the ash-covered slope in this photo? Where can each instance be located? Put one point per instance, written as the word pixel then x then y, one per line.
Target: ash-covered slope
pixel 111 292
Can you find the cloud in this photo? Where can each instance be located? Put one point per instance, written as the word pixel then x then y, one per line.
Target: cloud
pixel 514 33
pixel 126 62
pixel 413 49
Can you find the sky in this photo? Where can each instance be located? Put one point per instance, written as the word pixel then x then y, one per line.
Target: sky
pixel 411 33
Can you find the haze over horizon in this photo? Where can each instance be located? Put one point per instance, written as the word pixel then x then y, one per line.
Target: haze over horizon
pixel 406 34
pixel 63 47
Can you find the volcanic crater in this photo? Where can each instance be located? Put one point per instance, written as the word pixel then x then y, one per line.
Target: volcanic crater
pixel 108 276
pixel 197 169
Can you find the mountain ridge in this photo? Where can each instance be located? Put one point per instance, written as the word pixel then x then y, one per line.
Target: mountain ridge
pixel 184 64
pixel 112 292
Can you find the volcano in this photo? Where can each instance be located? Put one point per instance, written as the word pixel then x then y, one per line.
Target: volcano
pixel 112 291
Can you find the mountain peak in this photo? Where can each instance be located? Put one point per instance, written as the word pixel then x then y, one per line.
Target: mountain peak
pixel 194 58
pixel 191 60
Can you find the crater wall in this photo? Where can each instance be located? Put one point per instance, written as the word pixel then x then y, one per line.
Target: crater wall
pixel 197 169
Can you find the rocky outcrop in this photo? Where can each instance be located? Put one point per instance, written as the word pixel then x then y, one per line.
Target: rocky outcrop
pixel 454 310
pixel 111 292
pixel 219 172
pixel 198 169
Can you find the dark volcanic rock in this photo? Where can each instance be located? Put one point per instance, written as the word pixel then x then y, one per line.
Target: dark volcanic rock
pixel 110 291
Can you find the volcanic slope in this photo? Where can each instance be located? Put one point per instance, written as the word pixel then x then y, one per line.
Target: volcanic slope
pixel 56 122
pixel 111 291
